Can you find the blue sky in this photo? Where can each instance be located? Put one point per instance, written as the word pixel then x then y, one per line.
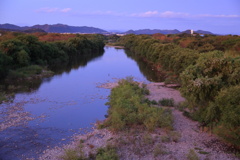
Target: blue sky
pixel 217 16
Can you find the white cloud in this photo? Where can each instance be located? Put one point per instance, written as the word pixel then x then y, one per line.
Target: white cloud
pixel 219 16
pixel 103 13
pixel 65 10
pixel 146 14
pixel 51 10
pixel 171 14
pixel 166 14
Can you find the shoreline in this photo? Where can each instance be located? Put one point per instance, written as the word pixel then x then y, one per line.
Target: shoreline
pixel 115 46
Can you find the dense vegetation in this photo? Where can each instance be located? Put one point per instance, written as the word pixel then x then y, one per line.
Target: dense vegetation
pixel 208 69
pixel 20 52
pixel 129 108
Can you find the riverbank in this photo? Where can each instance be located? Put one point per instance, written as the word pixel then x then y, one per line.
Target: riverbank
pixel 115 46
pixel 184 141
pixel 18 81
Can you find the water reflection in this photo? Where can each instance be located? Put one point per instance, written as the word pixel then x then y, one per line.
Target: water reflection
pixel 31 85
pixel 146 68
pixel 76 62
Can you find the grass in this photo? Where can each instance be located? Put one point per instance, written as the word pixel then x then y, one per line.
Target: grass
pixel 147 139
pixel 6 97
pixel 3 97
pixel 107 153
pixel 25 72
pixel 192 155
pixel 203 152
pixel 175 136
pixel 166 102
pixel 129 108
pixel 71 154
pixel 165 138
pixel 159 149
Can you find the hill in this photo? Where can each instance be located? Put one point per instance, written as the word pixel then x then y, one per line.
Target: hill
pixel 152 31
pixel 198 32
pixel 56 28
pixel 174 31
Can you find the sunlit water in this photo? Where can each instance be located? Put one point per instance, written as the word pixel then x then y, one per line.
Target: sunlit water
pixel 65 103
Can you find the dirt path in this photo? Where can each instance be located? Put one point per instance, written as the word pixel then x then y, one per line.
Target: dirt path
pixel 205 145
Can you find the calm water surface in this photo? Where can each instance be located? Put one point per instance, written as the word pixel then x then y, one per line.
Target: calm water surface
pixel 65 103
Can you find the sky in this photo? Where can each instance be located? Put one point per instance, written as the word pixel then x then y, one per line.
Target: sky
pixel 217 16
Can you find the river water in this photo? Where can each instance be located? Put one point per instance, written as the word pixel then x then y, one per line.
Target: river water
pixel 56 108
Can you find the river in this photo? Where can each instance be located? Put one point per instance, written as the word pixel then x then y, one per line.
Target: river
pixel 56 108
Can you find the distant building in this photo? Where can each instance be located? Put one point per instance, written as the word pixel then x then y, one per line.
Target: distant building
pixel 120 34
pixel 191 32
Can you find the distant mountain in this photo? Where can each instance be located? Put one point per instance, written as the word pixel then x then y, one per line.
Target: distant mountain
pixel 198 31
pixel 203 32
pixel 56 28
pixel 153 31
pixel 34 30
pixel 61 28
pixel 8 26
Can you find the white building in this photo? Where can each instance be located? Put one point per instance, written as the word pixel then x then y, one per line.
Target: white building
pixel 191 32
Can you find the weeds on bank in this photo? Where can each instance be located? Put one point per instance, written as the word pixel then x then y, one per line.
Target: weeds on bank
pixel 159 149
pixel 25 72
pixel 103 153
pixel 128 107
pixel 107 153
pixel 166 102
pixel 192 155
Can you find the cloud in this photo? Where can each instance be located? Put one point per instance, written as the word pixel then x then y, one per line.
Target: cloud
pixel 65 10
pixel 171 14
pixel 51 10
pixel 219 16
pixel 167 14
pixel 102 13
pixel 146 14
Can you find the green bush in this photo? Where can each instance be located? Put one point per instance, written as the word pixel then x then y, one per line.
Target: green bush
pixel 166 102
pixel 24 72
pixel 192 155
pixel 107 153
pixel 224 114
pixel 128 108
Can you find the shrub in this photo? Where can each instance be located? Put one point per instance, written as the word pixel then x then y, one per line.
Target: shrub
pixel 166 102
pixel 175 136
pixel 128 108
pixel 107 153
pixel 192 155
pixel 71 154
pixel 159 149
pixel 224 114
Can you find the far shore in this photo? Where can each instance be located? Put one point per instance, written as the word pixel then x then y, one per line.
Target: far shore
pixel 117 47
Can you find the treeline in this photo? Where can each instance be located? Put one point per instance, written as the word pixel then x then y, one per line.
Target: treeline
pixel 210 78
pixel 18 50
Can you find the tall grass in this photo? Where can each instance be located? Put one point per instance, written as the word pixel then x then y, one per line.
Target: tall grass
pixel 128 108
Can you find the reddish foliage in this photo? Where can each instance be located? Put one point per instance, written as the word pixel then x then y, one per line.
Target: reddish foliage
pixel 52 37
pixel 163 37
pixel 185 42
